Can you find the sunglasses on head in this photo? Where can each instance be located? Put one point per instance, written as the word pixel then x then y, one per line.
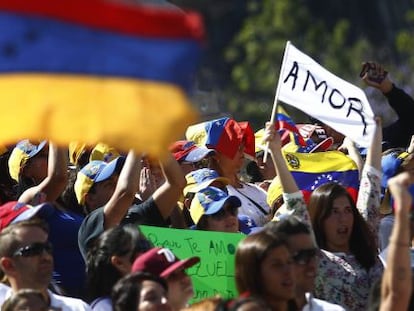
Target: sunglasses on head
pixel 34 249
pixel 304 256
pixel 221 214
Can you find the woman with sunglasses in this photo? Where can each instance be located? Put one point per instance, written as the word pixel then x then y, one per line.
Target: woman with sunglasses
pixel 212 209
pixel 109 259
pixel 344 231
pixel 305 256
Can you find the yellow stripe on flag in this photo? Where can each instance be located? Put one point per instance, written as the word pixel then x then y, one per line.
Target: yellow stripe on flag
pixel 319 162
pixel 124 113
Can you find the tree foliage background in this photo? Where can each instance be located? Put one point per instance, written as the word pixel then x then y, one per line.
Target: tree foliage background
pixel 246 40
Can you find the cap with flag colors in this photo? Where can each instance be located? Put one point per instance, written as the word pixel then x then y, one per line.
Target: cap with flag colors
pixel 224 135
pixel 76 150
pixel 209 201
pixel 311 170
pixel 13 211
pixel 203 178
pixel 185 150
pixel 103 152
pixel 97 71
pixel 94 172
pixel 22 152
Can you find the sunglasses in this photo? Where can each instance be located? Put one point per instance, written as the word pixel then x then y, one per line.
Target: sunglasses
pixel 304 256
pixel 221 214
pixel 34 249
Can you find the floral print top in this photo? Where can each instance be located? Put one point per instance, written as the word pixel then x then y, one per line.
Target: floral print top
pixel 341 279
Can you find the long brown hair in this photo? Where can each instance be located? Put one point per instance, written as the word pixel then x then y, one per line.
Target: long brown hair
pixel 250 255
pixel 362 241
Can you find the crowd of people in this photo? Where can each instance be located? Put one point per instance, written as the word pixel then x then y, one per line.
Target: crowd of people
pixel 70 216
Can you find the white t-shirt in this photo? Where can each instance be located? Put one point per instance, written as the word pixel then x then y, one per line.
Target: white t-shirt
pixel 253 199
pixel 3 292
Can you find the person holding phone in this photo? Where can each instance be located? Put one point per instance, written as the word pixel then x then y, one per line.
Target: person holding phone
pixel 399 133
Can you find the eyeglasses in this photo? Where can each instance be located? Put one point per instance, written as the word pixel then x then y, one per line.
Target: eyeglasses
pixel 34 249
pixel 304 256
pixel 221 214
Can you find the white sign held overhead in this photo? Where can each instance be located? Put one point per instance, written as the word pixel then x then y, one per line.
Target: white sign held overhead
pixel 306 85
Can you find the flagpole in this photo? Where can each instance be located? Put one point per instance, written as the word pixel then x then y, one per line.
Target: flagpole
pixel 272 116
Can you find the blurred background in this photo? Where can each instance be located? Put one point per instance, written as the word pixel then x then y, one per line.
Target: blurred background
pixel 246 40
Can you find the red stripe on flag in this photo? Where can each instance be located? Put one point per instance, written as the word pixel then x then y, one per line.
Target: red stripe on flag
pixel 106 15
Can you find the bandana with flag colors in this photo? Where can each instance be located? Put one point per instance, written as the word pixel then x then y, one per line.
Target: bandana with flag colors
pixel 224 135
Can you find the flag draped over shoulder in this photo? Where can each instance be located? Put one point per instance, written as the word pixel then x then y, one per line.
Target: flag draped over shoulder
pixel 96 71
pixel 311 170
pixel 224 135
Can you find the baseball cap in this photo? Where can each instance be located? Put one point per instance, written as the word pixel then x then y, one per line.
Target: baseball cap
pixel 390 164
pixel 209 201
pixel 161 262
pixel 76 149
pixel 247 224
pixel 22 152
pixel 103 152
pixel 187 150
pixel 13 211
pixel 94 172
pixel 202 178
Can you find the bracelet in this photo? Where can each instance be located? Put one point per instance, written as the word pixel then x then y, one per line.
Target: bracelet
pixel 398 243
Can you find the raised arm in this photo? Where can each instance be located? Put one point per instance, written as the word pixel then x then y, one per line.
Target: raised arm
pixel 55 182
pixel 167 195
pixel 293 198
pixel 396 282
pixel 275 148
pixel 370 185
pixel 349 147
pixel 117 206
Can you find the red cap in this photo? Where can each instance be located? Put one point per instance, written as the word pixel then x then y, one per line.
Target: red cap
pixel 161 262
pixel 9 211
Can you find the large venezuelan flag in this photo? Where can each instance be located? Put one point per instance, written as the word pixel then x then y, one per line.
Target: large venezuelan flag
pixel 224 135
pixel 96 71
pixel 311 170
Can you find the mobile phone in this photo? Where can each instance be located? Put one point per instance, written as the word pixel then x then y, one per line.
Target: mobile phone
pixel 373 75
